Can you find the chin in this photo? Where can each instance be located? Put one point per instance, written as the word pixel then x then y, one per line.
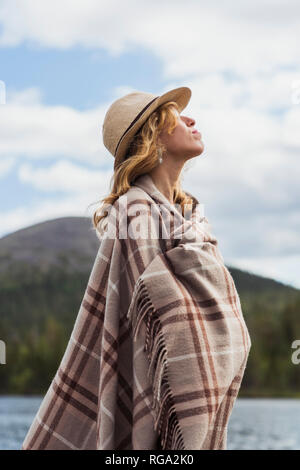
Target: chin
pixel 200 150
pixel 195 152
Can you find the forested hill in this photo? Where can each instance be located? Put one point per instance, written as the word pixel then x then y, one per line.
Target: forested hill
pixel 44 271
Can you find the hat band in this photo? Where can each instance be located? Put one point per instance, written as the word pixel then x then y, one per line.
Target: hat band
pixel 135 119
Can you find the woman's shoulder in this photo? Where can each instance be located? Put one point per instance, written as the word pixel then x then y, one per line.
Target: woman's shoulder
pixel 134 205
pixel 134 197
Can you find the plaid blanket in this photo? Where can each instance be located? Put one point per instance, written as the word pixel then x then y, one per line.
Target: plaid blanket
pixel 159 347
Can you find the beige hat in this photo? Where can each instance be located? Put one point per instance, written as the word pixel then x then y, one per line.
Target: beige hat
pixel 126 115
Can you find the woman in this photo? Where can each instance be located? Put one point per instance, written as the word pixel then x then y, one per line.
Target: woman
pixel 159 347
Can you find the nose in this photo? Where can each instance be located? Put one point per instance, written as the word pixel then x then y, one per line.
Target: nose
pixel 191 122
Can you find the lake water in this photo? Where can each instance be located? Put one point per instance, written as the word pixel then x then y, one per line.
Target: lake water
pixel 265 424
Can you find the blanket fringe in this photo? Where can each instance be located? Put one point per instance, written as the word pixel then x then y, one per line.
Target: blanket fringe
pixel 166 421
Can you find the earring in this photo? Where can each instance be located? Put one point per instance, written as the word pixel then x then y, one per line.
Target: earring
pixel 160 159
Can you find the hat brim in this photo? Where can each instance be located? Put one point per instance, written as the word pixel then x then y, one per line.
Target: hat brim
pixel 181 96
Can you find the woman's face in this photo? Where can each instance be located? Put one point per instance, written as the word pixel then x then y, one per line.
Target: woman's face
pixel 185 141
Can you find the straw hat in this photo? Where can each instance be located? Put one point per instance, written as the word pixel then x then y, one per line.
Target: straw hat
pixel 126 115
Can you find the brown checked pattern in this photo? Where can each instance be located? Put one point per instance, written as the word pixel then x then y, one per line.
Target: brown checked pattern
pixel 159 347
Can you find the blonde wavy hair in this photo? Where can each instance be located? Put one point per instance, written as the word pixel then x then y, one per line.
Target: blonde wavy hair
pixel 141 158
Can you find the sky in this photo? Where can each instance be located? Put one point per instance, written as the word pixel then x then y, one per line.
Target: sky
pixel 62 63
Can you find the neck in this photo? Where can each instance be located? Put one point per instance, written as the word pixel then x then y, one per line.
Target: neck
pixel 166 178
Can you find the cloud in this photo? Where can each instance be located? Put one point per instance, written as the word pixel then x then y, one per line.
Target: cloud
pixel 6 165
pixel 29 96
pixel 64 176
pixel 291 129
pixel 29 128
pixel 190 37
